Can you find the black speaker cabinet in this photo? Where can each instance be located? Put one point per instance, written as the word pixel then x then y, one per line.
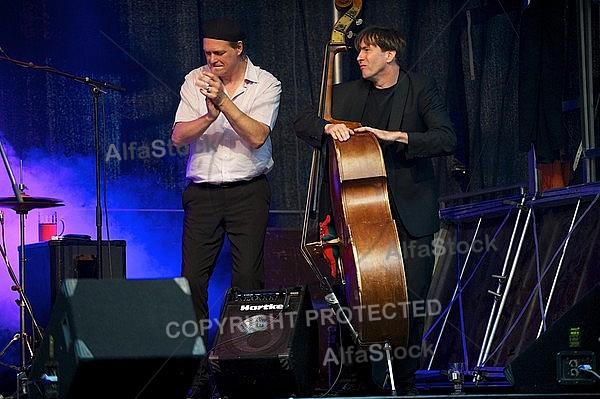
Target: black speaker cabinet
pixel 118 339
pixel 551 364
pixel 265 345
pixel 49 263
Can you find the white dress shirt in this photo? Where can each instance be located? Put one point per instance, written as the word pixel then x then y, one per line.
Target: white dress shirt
pixel 219 155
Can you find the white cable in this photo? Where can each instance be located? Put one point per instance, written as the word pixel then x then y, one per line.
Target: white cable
pixel 588 369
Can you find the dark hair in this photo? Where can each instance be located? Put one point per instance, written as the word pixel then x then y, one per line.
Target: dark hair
pixel 386 39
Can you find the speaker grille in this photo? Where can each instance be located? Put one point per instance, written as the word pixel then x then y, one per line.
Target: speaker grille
pixel 265 347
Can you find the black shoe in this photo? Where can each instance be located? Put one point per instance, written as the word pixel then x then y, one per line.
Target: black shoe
pixel 348 389
pixel 405 386
pixel 200 392
pixel 201 384
pixel 408 390
pixel 356 389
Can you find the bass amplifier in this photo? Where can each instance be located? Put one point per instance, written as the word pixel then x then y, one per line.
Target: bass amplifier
pixel 266 345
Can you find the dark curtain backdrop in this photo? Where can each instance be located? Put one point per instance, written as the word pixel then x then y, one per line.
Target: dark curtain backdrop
pixel 471 48
pixel 146 47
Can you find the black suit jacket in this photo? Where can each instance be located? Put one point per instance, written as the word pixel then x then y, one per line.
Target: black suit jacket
pixel 419 110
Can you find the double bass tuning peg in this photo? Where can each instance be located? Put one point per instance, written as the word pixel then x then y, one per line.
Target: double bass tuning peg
pixel 350 34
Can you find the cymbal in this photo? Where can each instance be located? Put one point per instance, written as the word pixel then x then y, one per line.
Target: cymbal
pixel 29 203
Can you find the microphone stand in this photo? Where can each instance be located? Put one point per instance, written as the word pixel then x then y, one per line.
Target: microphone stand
pixel 96 88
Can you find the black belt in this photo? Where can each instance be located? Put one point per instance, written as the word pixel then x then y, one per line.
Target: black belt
pixel 229 184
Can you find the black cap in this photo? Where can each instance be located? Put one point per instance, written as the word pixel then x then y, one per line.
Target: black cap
pixel 223 29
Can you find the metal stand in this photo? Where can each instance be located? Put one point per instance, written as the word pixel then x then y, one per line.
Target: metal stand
pixel 308 249
pixel 588 117
pixel 27 343
pixel 457 295
pixel 542 327
pixel 504 284
pixel 388 356
pixel 22 205
pixel 506 208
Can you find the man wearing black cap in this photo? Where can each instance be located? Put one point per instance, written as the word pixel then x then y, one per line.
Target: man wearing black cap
pixel 227 110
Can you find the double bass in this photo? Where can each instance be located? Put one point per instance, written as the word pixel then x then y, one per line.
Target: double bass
pixel 370 254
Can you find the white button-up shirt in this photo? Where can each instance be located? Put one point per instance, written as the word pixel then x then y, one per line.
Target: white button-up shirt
pixel 219 155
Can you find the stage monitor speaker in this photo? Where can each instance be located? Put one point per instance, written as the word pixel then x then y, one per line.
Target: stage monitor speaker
pixel 267 345
pixel 118 339
pixel 552 363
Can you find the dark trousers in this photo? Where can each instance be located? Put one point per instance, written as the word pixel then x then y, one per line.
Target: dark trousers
pixel 240 211
pixel 419 262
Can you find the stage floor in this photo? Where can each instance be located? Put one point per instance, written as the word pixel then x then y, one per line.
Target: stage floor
pixel 434 384
pixel 491 395
pixel 474 392
pixel 471 394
